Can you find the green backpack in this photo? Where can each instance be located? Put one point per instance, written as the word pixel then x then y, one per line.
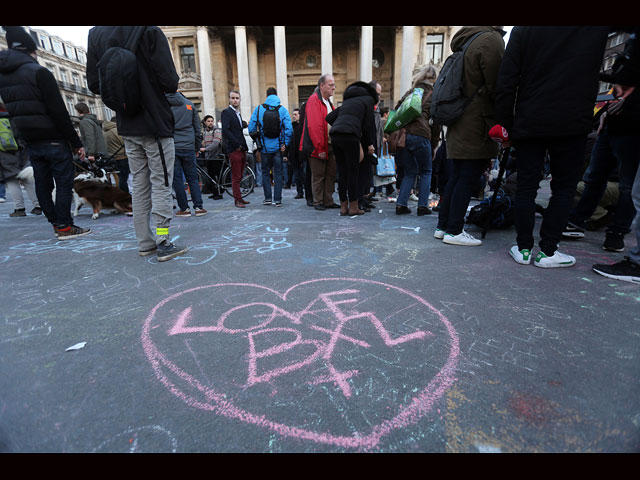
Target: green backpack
pixel 7 140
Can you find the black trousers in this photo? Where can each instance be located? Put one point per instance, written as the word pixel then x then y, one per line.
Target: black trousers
pixel 346 148
pixel 566 159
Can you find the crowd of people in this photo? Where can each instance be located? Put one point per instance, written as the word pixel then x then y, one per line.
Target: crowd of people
pixel 541 90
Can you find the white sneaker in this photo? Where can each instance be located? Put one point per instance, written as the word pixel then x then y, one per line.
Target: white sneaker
pixel 522 257
pixel 413 197
pixel 557 260
pixel 439 234
pixel 461 239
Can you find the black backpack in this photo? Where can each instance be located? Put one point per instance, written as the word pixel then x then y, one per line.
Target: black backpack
pixel 447 101
pixel 118 76
pixel 271 121
pixel 503 214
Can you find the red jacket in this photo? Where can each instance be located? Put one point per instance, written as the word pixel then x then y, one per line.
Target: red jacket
pixel 315 137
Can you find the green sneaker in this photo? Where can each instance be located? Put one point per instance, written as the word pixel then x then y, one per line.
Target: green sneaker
pixel 557 260
pixel 522 257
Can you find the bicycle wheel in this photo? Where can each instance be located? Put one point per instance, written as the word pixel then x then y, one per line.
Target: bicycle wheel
pixel 206 185
pixel 247 182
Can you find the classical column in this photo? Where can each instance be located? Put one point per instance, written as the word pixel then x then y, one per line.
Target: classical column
pixel 253 70
pixel 408 59
pixel 206 73
pixel 243 72
pixel 281 65
pixel 366 54
pixel 326 50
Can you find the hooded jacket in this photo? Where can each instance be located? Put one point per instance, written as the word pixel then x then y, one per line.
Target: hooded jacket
pixel 156 76
pixel 92 136
pixel 32 98
pixel 468 137
pixel 272 145
pixel 12 163
pixel 115 144
pixel 356 116
pixel 187 135
pixel 548 81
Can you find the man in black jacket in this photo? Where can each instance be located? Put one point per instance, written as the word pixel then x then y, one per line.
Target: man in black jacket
pixel 148 134
pixel 235 144
pixel 32 98
pixel 549 78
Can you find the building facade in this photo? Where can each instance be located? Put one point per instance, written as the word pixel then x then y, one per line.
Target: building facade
pixel 68 63
pixel 213 60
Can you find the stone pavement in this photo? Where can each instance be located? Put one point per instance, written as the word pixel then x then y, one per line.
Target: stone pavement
pixel 293 330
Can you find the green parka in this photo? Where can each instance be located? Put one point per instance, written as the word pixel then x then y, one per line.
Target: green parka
pixel 468 138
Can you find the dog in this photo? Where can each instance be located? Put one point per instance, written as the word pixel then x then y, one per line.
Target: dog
pixel 97 191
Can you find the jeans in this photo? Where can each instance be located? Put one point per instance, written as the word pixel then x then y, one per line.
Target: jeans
pixel 186 162
pixel 416 160
pixel 454 201
pixel 634 253
pixel 609 152
pixel 566 157
pixel 123 174
pixel 53 161
pixel 272 161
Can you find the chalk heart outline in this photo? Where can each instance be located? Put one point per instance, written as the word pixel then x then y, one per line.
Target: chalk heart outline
pixel 409 414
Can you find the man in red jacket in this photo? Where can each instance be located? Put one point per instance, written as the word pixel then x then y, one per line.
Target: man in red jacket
pixel 315 143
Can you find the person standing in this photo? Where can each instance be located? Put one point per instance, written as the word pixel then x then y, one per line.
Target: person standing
pixel 147 133
pixel 235 144
pixel 468 144
pixel 32 98
pixel 116 150
pixel 353 132
pixel 315 143
pixel 416 156
pixel 545 96
pixel 187 140
pixel 295 156
pixel 90 132
pixel 272 124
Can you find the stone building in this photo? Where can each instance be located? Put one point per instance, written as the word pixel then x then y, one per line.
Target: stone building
pixel 68 63
pixel 213 60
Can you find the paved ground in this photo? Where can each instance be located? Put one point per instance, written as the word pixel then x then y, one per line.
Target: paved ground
pixel 292 330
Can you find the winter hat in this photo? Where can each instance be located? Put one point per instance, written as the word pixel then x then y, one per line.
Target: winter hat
pixel 19 39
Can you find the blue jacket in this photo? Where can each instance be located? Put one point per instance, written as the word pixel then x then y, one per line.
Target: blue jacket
pixel 272 145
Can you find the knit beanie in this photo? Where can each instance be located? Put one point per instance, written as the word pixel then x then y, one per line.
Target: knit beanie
pixel 19 39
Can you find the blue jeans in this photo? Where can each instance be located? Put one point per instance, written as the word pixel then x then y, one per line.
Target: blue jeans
pixel 634 253
pixel 53 161
pixel 416 160
pixel 3 190
pixel 609 152
pixel 186 162
pixel 272 161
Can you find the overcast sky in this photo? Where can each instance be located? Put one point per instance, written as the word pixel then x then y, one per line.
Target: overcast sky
pixel 78 35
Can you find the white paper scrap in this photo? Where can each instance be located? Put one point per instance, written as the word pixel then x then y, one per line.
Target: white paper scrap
pixel 77 346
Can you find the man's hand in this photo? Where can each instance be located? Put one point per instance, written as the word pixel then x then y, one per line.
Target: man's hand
pixel 322 156
pixel 80 152
pixel 623 91
pixel 371 150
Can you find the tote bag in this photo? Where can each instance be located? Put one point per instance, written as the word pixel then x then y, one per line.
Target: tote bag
pixel 386 163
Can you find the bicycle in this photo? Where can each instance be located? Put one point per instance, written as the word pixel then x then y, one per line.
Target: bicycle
pixel 208 183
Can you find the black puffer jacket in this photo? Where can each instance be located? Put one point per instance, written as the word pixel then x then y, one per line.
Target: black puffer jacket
pixel 355 115
pixel 32 98
pixel 548 81
pixel 156 74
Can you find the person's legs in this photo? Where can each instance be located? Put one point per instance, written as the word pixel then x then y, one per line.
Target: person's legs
pixel 188 161
pixel 141 198
pixel 626 149
pixel 123 174
pixel 410 169
pixel 278 177
pixel 468 172
pixel 317 167
pixel 424 161
pixel 43 182
pixel 329 179
pixel 237 160
pixel 267 165
pixel 530 164
pixel 178 182
pixel 15 193
pixel 339 150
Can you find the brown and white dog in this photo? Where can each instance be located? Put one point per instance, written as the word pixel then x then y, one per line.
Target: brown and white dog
pixel 99 193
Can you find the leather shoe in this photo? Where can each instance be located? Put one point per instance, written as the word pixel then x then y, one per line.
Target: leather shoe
pixel 240 205
pixel 401 209
pixel 319 207
pixel 424 211
pixel 298 196
pixel 242 200
pixel 333 205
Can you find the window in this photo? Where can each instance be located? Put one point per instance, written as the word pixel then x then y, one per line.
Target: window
pixel 82 58
pixel 76 79
pixel 435 43
pixel 615 40
pixel 188 58
pixel 70 104
pixel 57 47
pixel 64 77
pixel 92 108
pixel 44 42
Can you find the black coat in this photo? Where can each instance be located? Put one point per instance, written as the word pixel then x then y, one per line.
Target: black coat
pixel 355 115
pixel 232 134
pixel 32 98
pixel 156 75
pixel 548 81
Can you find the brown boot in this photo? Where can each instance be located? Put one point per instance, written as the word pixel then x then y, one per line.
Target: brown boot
pixel 354 209
pixel 344 208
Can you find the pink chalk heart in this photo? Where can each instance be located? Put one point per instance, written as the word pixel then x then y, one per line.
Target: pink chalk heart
pixel 339 361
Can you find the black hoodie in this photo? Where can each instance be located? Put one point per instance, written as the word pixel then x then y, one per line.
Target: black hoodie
pixel 355 115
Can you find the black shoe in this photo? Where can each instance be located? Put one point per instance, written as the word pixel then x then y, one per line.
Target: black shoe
pixel 424 211
pixel 333 205
pixel 19 212
pixel 573 231
pixel 401 209
pixel 626 270
pixel 298 196
pixel 215 196
pixel 614 242
pixel 319 207
pixel 310 203
pixel 167 251
pixel 36 211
